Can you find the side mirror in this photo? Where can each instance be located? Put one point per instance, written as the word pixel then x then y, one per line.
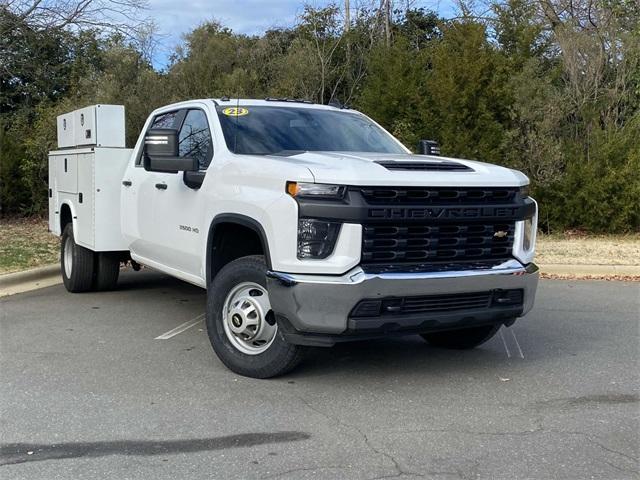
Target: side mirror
pixel 160 153
pixel 428 147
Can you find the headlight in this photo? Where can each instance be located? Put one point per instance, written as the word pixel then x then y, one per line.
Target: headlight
pixel 316 238
pixel 316 190
pixel 524 191
pixel 525 238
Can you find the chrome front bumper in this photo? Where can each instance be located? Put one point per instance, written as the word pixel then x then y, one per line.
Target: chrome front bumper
pixel 321 304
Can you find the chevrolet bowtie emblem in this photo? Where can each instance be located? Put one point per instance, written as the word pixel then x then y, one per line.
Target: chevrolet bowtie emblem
pixel 500 234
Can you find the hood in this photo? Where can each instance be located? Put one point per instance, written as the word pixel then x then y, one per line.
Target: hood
pixel 370 169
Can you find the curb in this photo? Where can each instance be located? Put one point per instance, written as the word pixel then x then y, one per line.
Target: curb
pixel 590 270
pixel 19 282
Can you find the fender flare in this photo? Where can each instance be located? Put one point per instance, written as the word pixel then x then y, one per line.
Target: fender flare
pixel 74 217
pixel 238 219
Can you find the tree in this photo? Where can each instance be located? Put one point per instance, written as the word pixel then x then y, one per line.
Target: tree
pixel 395 92
pixel 214 62
pixel 320 36
pixel 466 84
pixel 110 16
pixel 420 27
pixel 599 41
pixel 34 64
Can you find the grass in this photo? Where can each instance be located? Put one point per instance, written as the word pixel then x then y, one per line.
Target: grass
pixel 571 249
pixel 26 243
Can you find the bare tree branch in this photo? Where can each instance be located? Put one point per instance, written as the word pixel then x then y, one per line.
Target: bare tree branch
pixel 121 16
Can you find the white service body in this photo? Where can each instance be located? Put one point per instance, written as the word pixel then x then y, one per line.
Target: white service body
pixel 85 175
pixel 87 182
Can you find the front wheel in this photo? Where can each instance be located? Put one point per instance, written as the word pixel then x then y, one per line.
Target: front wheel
pixel 241 325
pixel 461 339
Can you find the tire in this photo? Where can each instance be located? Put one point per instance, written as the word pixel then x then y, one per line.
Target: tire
pixel 243 334
pixel 76 263
pixel 462 339
pixel 106 271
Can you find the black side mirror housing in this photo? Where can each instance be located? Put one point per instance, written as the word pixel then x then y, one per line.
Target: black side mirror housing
pixel 428 147
pixel 160 153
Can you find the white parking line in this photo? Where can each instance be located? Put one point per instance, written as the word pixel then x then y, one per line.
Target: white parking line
pixel 513 334
pixel 180 328
pixel 504 342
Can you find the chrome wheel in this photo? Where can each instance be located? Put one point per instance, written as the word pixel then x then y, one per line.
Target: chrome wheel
pixel 68 256
pixel 248 319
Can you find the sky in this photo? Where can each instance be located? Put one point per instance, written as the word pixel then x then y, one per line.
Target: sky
pixel 175 18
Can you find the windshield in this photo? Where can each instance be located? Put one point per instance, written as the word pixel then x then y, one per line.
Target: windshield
pixel 266 130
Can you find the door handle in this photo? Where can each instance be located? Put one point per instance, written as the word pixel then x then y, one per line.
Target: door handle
pixel 126 183
pixel 161 186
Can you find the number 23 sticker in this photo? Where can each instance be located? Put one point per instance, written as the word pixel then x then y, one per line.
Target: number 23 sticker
pixel 235 111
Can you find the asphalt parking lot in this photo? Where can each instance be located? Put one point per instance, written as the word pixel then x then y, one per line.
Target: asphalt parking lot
pixel 89 391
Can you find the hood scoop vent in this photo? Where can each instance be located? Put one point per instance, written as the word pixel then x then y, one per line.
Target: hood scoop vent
pixel 425 166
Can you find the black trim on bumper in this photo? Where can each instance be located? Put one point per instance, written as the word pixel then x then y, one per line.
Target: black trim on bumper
pixel 425 322
pixel 372 328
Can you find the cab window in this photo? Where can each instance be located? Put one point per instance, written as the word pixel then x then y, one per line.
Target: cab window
pixel 195 138
pixel 165 120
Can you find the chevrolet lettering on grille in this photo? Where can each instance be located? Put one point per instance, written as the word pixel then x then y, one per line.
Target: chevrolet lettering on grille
pixel 442 212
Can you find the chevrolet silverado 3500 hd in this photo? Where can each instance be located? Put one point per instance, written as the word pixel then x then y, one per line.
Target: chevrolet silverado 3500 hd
pixel 307 225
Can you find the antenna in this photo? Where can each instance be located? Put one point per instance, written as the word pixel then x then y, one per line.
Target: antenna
pixel 235 137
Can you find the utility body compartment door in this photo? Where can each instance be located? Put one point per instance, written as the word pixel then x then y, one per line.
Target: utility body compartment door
pixel 85 126
pixel 67 173
pixel 54 224
pixel 86 221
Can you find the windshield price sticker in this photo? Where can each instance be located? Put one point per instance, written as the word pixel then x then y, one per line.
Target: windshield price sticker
pixel 235 111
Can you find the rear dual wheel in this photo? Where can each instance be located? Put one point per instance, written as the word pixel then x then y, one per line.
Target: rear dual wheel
pixel 84 270
pixel 107 271
pixel 77 263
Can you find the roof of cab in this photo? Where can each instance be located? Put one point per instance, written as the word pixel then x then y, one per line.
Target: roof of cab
pixel 232 102
pixel 275 102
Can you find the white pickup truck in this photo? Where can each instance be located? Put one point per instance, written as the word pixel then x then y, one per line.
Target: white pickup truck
pixel 307 225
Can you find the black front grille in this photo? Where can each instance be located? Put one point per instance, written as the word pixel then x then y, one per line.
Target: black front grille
pixel 420 243
pixel 437 303
pixel 438 195
pixel 426 166
pixel 443 303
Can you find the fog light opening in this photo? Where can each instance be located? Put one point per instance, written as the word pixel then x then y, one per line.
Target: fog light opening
pixel 502 298
pixel 367 308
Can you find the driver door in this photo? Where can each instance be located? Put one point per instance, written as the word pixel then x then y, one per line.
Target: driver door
pixel 179 210
pixel 140 196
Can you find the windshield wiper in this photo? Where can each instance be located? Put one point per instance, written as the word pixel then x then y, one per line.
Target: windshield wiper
pixel 287 153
